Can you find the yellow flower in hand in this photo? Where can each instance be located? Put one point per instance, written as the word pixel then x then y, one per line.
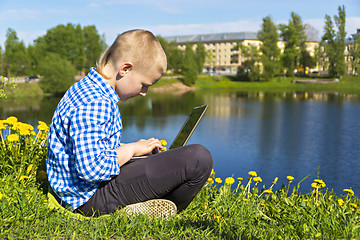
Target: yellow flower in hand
pixel 163 142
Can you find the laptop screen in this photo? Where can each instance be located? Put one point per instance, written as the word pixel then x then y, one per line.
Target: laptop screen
pixel 189 126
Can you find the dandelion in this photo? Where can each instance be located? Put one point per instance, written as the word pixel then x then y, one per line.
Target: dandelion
pixel 349 192
pixel 218 180
pixel 1 195
pixel 11 120
pixel 212 174
pixel 268 191
pixel 252 173
pixel 42 126
pixel 318 183
pixel 229 180
pixel 275 181
pixel 28 196
pixel 257 179
pixel 290 178
pixel 245 199
pixel 13 138
pixel 240 179
pixel 163 142
pixel 164 149
pixel 23 177
pixel 2 125
pixel 340 201
pixel 210 180
pixel 29 168
pixel 217 218
pixel 26 129
pixel 354 206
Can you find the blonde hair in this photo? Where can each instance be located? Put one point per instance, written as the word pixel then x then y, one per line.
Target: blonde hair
pixel 140 47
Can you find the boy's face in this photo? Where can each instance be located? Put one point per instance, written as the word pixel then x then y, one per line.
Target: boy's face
pixel 134 83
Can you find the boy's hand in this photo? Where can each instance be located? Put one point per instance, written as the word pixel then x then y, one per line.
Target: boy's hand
pixel 126 151
pixel 144 146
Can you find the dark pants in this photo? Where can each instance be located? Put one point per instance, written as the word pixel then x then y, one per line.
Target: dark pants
pixel 177 175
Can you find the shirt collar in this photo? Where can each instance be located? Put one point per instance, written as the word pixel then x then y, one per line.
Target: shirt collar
pixel 103 84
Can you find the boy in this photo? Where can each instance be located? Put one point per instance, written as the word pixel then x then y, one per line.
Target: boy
pixel 86 161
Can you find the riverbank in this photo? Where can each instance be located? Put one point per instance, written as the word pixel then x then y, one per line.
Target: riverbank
pixel 174 84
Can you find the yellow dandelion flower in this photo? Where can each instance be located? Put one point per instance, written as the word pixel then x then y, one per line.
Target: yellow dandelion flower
pixel 13 138
pixel 210 180
pixel 28 196
pixel 164 149
pixel 29 168
pixel 275 180
pixel 217 218
pixel 11 120
pixel 318 183
pixel 290 178
pixel 240 179
pixel 245 199
pixel 212 172
pixel 26 129
pixel 252 173
pixel 218 180
pixel 229 180
pixel 16 126
pixel 23 177
pixel 263 204
pixel 205 204
pixel 2 125
pixel 340 201
pixel 257 179
pixel 354 206
pixel 1 195
pixel 349 192
pixel 163 142
pixel 268 191
pixel 42 126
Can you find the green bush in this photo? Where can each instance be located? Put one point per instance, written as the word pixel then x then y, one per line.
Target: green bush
pixel 57 74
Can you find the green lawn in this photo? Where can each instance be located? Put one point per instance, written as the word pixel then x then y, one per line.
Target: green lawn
pixel 231 208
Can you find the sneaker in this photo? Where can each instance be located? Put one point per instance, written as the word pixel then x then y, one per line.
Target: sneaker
pixel 155 208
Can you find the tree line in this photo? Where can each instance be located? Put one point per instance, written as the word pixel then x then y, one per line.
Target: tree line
pixel 69 49
pixel 58 56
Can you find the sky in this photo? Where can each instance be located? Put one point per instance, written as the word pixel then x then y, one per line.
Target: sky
pixel 31 19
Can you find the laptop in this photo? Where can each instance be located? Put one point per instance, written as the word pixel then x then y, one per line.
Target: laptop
pixel 186 130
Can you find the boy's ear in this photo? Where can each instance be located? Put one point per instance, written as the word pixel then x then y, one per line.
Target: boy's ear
pixel 125 68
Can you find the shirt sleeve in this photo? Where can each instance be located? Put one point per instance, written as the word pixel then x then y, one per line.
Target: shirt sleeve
pixel 91 128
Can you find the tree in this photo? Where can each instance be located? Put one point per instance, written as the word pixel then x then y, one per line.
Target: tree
pixel 295 44
pixel 173 53
pixel 340 67
pixel 16 58
pixel 269 49
pixel 57 73
pixel 251 68
pixel 94 45
pixel 333 43
pixel 189 66
pixel 328 44
pixel 354 53
pixel 200 56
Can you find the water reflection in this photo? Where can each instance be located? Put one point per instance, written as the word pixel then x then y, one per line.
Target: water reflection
pixel 275 134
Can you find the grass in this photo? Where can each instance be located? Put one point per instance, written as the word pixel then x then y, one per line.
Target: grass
pixel 349 84
pixel 224 209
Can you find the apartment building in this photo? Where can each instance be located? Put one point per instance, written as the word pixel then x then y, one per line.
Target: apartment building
pixel 223 54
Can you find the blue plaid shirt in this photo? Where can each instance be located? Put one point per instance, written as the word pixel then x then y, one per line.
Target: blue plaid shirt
pixel 83 135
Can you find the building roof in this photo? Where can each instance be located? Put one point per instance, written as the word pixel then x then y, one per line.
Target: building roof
pixel 216 37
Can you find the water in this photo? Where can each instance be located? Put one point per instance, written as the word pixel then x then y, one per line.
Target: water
pixel 275 134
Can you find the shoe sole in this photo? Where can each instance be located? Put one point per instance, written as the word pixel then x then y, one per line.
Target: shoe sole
pixel 153 208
